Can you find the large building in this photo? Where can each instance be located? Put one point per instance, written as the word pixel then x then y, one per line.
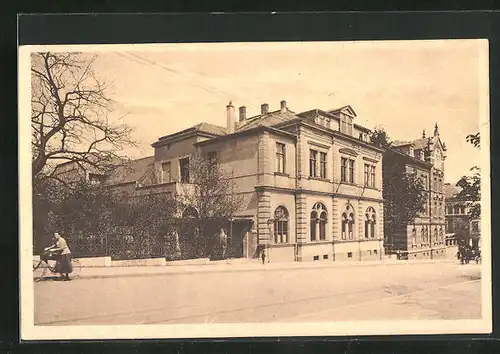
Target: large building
pixel 424 237
pixel 460 228
pixel 311 181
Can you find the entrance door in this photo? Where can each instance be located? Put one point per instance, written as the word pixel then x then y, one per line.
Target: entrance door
pixel 235 245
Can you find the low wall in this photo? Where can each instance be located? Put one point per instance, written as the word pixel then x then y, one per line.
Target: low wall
pixel 88 261
pixel 197 261
pixel 139 262
pixel 95 261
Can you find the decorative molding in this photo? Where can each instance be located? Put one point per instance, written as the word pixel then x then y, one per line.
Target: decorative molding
pixel 370 159
pixel 348 151
pixel 323 146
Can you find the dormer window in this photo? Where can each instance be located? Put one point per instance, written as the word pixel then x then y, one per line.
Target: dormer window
pixel 346 124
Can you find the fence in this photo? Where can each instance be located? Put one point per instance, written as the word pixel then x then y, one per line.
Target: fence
pixel 123 244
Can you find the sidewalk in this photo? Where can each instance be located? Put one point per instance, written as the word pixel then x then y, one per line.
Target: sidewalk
pixel 234 266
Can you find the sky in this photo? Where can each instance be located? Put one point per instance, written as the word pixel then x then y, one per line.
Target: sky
pixel 403 86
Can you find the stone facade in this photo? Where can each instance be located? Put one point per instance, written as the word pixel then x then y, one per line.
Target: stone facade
pixel 311 182
pixel 459 226
pixel 425 236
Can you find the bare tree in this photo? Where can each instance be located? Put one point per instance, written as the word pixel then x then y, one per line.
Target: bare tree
pixel 69 116
pixel 213 194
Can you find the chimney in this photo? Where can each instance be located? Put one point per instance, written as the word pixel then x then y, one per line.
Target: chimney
pixel 264 108
pixel 243 113
pixel 283 106
pixel 230 118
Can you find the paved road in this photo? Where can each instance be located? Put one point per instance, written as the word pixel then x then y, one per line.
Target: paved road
pixel 379 292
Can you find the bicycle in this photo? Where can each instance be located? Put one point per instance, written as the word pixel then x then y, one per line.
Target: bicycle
pixel 41 266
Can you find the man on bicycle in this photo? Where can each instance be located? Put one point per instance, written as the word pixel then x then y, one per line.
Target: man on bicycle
pixel 62 254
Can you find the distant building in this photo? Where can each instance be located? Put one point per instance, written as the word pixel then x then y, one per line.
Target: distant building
pixel 424 237
pixel 311 181
pixel 460 228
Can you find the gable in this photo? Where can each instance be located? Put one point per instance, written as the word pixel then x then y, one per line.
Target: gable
pixel 347 110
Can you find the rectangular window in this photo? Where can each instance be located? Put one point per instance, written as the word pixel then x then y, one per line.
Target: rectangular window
pixel 349 126
pixel 325 256
pixel 165 172
pixel 375 251
pixel 281 231
pixel 351 171
pixel 349 254
pixel 280 157
pixel 184 167
pixel 322 164
pixel 316 258
pixel 212 158
pixel 372 176
pixel 343 170
pixel 313 157
pixel 343 125
pixel 369 176
pixel 95 178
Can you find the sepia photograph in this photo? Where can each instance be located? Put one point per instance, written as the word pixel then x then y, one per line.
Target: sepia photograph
pixel 197 190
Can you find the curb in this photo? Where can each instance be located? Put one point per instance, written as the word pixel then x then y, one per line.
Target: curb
pixel 253 269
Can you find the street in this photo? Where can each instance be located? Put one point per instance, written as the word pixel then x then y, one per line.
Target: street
pixel 379 292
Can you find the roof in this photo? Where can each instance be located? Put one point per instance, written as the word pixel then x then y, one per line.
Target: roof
pixel 408 157
pixel 400 143
pixel 131 171
pixel 267 119
pixel 210 128
pixel 343 109
pixel 421 143
pixel 199 129
pixel 451 191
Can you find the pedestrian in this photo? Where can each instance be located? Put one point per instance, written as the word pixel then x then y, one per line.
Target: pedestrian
pixel 63 256
pixel 263 255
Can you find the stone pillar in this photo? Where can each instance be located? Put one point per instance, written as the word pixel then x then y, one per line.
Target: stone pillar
pixel 301 229
pixel 301 219
pixel 263 158
pixel 263 216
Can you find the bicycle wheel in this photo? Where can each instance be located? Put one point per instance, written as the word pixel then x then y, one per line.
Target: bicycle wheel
pixel 39 269
pixel 77 268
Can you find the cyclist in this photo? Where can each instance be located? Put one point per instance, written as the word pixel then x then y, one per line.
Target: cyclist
pixel 62 255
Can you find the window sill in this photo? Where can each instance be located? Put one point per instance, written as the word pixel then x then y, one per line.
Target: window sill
pixel 319 242
pixel 372 188
pixel 348 183
pixel 346 240
pixel 319 179
pixel 357 240
pixel 281 174
pixel 282 244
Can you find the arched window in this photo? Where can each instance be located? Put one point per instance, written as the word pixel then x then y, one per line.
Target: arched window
pixel 280 225
pixel 422 232
pixel 319 217
pixel 441 236
pixel 348 223
pixel 370 223
pixel 436 234
pixel 414 235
